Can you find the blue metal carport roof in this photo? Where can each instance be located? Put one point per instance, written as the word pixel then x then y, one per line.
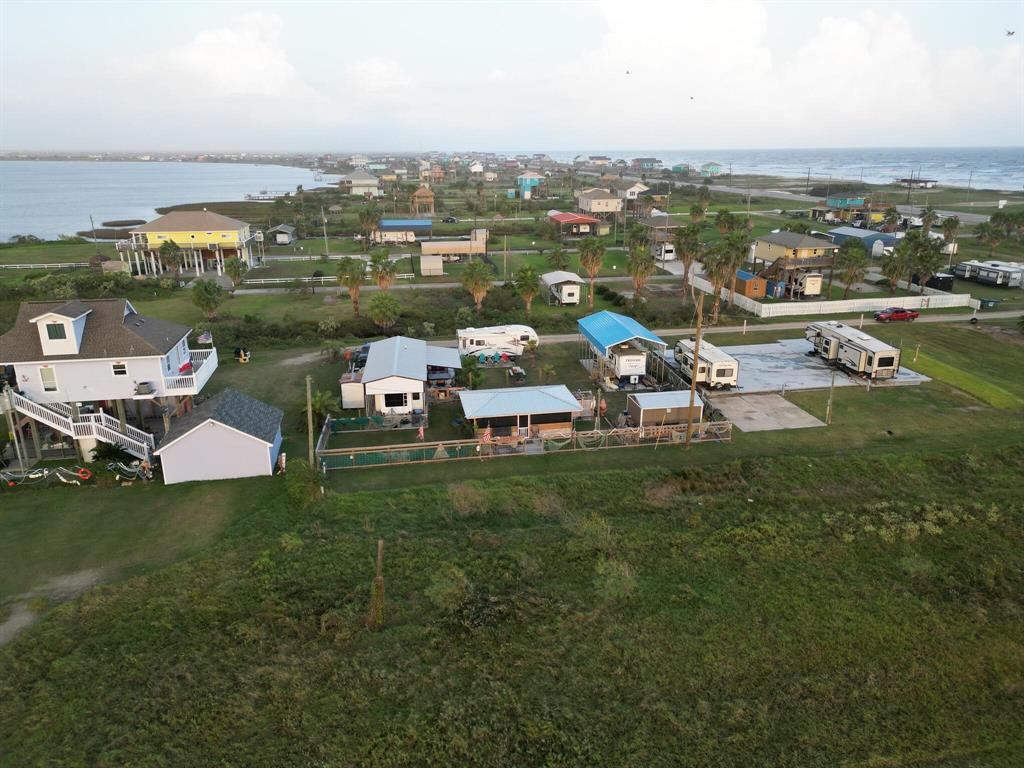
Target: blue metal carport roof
pixel 406 223
pixel 606 329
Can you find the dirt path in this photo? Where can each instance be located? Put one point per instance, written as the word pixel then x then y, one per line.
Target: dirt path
pixel 303 359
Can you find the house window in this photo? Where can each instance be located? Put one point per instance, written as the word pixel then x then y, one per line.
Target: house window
pixel 119 369
pixel 416 396
pixel 395 400
pixel 524 338
pixel 56 331
pixel 48 377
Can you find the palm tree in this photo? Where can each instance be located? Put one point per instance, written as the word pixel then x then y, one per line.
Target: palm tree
pixel 950 228
pixel 704 196
pixel 384 310
pixel 558 259
pixel 382 269
pixel 696 214
pixel 852 261
pixel 321 403
pixel 546 373
pixel 687 243
pixel 172 256
pixel 801 227
pixel 891 219
pixel 591 260
pixel 351 273
pixel 477 279
pixel 989 234
pixel 928 217
pixel 717 268
pixel 894 267
pixel 928 260
pixel 527 285
pixel 641 266
pixel 207 295
pixel 725 222
pixel 369 221
pixel 235 269
pixel 737 246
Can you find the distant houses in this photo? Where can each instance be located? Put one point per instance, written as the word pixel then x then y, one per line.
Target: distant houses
pixel 645 163
pixel 710 170
pixel 360 183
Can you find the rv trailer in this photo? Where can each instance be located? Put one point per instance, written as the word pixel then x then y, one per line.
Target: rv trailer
pixel 1007 274
pixel 496 339
pixel 715 369
pixel 853 350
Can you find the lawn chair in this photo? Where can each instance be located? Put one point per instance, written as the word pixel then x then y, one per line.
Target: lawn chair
pixel 242 354
pixel 496 358
pixel 482 359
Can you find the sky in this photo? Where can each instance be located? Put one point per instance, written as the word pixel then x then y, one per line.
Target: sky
pixel 391 76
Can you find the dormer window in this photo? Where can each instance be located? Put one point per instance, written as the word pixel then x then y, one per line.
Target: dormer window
pixel 56 331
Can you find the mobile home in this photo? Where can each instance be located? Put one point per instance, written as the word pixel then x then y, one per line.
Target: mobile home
pixel 496 339
pixel 853 349
pixel 715 369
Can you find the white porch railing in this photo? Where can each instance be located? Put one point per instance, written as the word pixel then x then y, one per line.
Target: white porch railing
pixel 98 426
pixel 204 363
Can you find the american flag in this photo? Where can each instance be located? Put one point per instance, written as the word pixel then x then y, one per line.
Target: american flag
pixel 206 337
pixel 486 436
pixel 420 435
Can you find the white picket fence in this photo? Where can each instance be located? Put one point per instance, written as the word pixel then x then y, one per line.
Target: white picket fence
pixel 62 265
pixel 270 258
pixel 931 300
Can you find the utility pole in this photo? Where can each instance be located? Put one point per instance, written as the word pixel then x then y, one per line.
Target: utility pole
pixel 95 241
pixel 828 408
pixel 309 415
pixel 807 186
pixel 693 370
pixel 323 220
pixel 970 178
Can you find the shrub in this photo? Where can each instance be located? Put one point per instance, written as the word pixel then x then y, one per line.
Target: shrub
pixel 448 588
pixel 301 483
pixel 467 500
pixel 614 579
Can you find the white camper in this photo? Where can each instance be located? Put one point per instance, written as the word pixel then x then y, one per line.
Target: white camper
pixel 809 284
pixel 715 369
pixel 854 350
pixel 563 287
pixel 1008 274
pixel 496 339
pixel 664 251
pixel 628 361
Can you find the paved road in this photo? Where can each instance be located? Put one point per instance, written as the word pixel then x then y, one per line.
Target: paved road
pixel 561 338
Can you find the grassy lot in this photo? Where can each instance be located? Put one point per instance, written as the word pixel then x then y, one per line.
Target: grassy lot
pixel 801 610
pixel 52 253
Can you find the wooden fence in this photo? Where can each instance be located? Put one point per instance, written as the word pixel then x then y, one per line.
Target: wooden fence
pixel 551 442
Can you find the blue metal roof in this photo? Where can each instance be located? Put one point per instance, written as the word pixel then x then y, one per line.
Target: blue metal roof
pixel 514 401
pixel 406 223
pixel 606 329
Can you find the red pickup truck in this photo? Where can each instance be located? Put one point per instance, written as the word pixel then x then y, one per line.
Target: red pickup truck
pixel 896 313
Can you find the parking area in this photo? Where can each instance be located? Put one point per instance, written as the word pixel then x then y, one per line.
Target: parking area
pixel 761 413
pixel 785 365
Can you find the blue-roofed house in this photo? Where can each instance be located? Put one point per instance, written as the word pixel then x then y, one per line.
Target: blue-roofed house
pixel 618 346
pixel 711 169
pixel 521 411
pixel 874 242
pixel 399 372
pixel 529 183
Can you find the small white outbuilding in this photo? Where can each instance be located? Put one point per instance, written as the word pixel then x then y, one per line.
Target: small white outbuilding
pixel 563 287
pixel 230 435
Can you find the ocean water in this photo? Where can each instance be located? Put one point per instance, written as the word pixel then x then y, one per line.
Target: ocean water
pixel 999 168
pixel 51 198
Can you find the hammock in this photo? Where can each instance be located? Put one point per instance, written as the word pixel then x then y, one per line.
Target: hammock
pixel 550 444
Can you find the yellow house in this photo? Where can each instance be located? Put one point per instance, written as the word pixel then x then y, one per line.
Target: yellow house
pixel 207 240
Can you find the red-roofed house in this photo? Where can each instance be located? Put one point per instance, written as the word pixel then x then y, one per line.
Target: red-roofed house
pixel 574 223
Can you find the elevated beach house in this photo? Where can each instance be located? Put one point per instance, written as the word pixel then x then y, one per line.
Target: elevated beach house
pixel 206 241
pixel 84 368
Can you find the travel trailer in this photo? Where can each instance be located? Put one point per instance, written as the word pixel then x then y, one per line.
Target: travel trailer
pixel 853 349
pixel 716 369
pixel 496 339
pixel 564 288
pixel 628 362
pixel 808 284
pixel 1007 274
pixel 664 251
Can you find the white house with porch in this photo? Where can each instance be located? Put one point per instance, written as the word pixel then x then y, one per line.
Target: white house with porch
pixel 398 374
pixel 72 368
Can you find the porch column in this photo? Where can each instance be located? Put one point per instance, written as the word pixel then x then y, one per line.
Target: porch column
pixel 167 420
pixel 119 406
pixel 138 414
pixel 34 429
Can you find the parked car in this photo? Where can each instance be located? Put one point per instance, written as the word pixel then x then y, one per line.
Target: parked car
pixel 896 313
pixel 450 220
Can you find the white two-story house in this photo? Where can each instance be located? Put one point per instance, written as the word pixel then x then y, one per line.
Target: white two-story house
pixel 74 366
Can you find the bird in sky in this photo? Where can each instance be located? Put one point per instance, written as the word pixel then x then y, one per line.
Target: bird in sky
pixel 1011 32
pixel 627 71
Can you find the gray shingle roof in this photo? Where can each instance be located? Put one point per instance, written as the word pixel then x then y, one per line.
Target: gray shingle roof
pixel 113 329
pixel 233 409
pixel 72 309
pixel 796 240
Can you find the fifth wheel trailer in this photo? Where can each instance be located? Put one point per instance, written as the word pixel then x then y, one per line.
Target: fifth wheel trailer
pixel 854 350
pixel 496 339
pixel 1007 274
pixel 715 369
